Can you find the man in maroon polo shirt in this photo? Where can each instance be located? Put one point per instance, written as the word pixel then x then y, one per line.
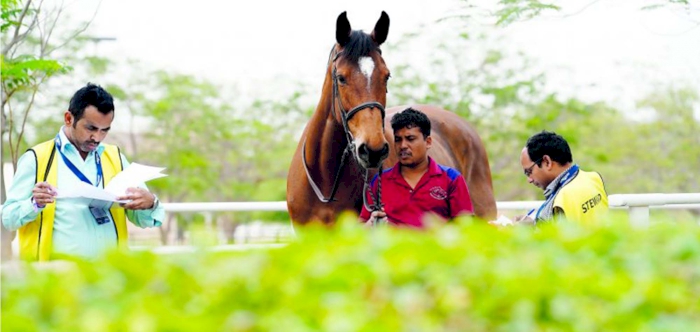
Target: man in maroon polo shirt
pixel 417 185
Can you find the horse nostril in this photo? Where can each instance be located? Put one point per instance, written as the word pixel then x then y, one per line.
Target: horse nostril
pixel 362 150
pixel 371 156
pixel 385 149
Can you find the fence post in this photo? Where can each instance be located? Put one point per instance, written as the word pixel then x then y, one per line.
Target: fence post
pixel 639 216
pixel 208 221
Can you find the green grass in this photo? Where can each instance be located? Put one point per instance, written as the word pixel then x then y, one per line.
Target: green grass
pixel 459 277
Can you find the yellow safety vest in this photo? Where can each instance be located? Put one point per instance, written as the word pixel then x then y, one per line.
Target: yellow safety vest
pixel 35 238
pixel 584 199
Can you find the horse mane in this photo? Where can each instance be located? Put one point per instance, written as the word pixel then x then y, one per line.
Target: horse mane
pixel 359 45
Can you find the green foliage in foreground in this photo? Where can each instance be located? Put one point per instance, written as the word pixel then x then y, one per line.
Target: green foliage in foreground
pixel 464 277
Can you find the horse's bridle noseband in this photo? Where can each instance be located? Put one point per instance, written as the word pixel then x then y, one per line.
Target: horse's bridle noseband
pixel 345 116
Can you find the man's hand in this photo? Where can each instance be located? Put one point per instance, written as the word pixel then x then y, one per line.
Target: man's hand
pixel 376 217
pixel 141 199
pixel 502 221
pixel 43 193
pixel 524 220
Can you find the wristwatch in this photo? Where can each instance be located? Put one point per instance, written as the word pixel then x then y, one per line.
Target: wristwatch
pixel 155 201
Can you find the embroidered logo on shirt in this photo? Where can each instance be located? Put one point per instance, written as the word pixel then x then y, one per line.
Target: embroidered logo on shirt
pixel 438 193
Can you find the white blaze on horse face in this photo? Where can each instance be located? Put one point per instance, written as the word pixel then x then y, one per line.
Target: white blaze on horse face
pixel 367 68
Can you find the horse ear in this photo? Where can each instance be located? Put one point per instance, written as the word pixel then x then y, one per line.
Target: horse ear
pixel 342 29
pixel 381 30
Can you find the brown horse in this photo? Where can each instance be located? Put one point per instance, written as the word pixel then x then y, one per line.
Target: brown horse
pixel 346 136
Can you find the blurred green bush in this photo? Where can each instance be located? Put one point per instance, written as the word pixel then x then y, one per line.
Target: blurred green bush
pixel 460 277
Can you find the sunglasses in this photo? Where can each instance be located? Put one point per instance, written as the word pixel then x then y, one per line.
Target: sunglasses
pixel 528 171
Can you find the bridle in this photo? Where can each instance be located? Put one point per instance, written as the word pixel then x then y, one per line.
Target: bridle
pixel 345 116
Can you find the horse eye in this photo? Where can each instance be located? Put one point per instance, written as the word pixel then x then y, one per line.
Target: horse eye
pixel 387 78
pixel 341 79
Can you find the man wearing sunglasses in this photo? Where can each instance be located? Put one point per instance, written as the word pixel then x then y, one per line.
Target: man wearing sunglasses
pixel 570 193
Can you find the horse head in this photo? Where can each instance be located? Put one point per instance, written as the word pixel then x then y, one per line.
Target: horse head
pixel 359 81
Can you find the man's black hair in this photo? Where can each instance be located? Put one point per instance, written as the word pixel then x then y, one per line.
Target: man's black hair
pixel 410 118
pixel 90 95
pixel 550 144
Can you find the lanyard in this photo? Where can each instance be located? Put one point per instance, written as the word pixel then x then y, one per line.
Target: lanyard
pixel 569 173
pixel 75 170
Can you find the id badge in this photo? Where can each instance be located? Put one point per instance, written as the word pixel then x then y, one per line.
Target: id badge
pixel 99 211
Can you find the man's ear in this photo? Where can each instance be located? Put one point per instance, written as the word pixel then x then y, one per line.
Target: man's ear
pixel 429 141
pixel 68 118
pixel 548 160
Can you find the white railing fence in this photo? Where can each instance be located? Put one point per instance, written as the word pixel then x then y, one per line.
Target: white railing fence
pixel 638 205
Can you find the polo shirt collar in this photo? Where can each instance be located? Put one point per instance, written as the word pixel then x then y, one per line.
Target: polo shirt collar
pixel 433 169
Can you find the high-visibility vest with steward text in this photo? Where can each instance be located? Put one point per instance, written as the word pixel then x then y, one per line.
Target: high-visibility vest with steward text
pixel 35 238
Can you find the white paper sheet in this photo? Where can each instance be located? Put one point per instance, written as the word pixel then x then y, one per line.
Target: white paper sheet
pixel 505 221
pixel 132 176
pixel 502 221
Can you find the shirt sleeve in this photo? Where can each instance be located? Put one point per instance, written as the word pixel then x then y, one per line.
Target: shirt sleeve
pixel 459 199
pixel 19 208
pixel 152 217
